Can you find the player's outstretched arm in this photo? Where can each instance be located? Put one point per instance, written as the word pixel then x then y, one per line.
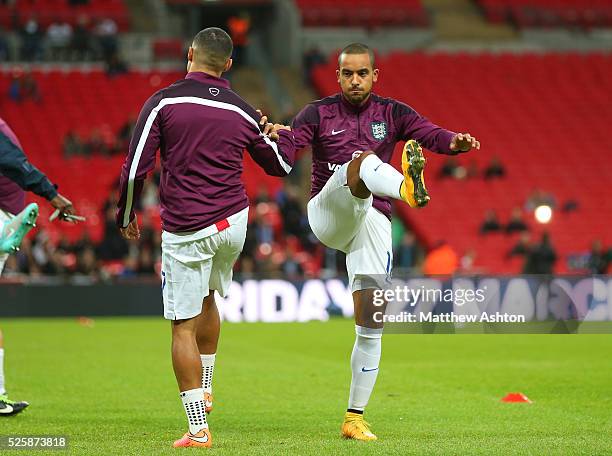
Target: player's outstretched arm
pixel 15 165
pixel 411 125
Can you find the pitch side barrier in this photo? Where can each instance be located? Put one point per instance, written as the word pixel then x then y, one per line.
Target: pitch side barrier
pixel 515 304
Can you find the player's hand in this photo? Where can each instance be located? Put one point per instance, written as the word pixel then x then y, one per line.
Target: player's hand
pixel 463 142
pixel 131 232
pixel 64 206
pixel 273 132
pixel 263 122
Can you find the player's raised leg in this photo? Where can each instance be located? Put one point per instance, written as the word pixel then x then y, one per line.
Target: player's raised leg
pixel 368 173
pixel 187 369
pixel 207 338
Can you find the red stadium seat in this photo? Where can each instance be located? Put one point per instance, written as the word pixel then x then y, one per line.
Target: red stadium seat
pixel 364 13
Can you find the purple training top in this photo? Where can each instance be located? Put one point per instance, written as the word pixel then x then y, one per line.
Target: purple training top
pixel 335 129
pixel 201 128
pixel 12 197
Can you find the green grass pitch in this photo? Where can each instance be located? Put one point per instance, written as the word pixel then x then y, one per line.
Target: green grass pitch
pixel 282 389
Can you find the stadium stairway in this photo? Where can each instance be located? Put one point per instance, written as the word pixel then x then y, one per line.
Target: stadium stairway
pixel 549 126
pixel 461 20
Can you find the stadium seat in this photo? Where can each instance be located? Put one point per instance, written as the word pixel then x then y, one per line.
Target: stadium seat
pixel 549 13
pixel 48 11
pixel 362 13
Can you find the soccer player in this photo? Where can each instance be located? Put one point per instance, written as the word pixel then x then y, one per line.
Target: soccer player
pixel 353 134
pixel 17 175
pixel 202 128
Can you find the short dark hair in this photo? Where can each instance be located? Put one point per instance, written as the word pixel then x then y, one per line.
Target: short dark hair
pixel 357 48
pixel 213 47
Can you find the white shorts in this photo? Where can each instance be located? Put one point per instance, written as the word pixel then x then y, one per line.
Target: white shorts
pixel 196 263
pixel 4 217
pixel 350 224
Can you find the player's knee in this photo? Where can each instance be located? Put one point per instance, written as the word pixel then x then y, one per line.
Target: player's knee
pixel 356 185
pixel 183 328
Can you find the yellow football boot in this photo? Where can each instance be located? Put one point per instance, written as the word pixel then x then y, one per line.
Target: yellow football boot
pixel 354 427
pixel 413 189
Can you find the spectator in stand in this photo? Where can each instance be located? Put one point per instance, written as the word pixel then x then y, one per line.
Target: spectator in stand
pixel 291 211
pixel 73 145
pixel 125 134
pixel 516 223
pixel 405 255
pixel 238 27
pixel 96 145
pixel 472 170
pixel 541 258
pixel 522 247
pixel 291 267
pixel 113 246
pixel 5 50
pixel 262 195
pixel 31 41
pixel 130 267
pixel 539 198
pixel 106 33
pixel 146 262
pixel 490 223
pixel 264 234
pixel 87 264
pixel 59 37
pixel 449 168
pixel 115 66
pixel 442 260
pixel 23 86
pixel 600 259
pixel 312 57
pixel 466 263
pixel 495 169
pixel 81 39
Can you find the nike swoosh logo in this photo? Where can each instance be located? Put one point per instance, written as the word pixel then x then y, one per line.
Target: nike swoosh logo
pixel 363 369
pixel 7 409
pixel 334 132
pixel 199 439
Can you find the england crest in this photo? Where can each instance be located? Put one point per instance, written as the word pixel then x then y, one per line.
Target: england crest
pixel 379 130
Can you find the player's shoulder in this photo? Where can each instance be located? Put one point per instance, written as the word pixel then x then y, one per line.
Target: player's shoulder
pixel 311 112
pixel 398 108
pixel 219 96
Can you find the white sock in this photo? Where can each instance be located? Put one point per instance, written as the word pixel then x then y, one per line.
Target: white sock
pixel 208 367
pixel 193 401
pixel 2 390
pixel 382 179
pixel 364 364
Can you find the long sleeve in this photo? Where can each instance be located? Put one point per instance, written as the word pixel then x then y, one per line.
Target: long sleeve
pixel 15 165
pixel 305 126
pixel 411 125
pixel 140 160
pixel 276 158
